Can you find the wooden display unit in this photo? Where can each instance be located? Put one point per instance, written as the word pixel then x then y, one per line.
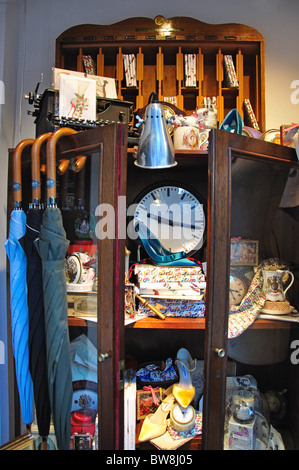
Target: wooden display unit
pixel 153 338
pixel 159 47
pixel 220 175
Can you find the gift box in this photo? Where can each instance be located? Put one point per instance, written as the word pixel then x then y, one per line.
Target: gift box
pixel 89 65
pixel 230 72
pixel 241 436
pixel 130 309
pixel 287 134
pixel 172 307
pixel 250 114
pixel 150 273
pixel 148 400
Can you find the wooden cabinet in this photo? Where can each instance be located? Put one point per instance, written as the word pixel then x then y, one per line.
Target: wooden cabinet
pixel 159 48
pixel 242 180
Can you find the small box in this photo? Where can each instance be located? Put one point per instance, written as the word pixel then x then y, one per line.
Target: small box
pixel 130 310
pixel 287 134
pixel 241 436
pixel 145 401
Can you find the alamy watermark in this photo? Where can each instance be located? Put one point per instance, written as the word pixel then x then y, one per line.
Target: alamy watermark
pixel 178 221
pixel 295 94
pixel 2 353
pixel 294 357
pixel 2 92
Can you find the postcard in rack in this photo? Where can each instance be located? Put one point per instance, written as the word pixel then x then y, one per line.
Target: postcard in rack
pixel 105 86
pixel 77 97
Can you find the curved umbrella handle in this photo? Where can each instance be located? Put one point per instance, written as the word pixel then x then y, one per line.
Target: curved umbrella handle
pixel 51 162
pixel 17 179
pixel 63 166
pixel 35 167
pixel 79 163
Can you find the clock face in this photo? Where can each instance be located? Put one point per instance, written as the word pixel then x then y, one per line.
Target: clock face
pixel 174 215
pixel 169 113
pixel 183 415
pixel 238 286
pixel 182 420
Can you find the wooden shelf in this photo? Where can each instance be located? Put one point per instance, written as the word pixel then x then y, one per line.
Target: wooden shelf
pixel 160 50
pixel 186 323
pixel 199 324
pixel 169 323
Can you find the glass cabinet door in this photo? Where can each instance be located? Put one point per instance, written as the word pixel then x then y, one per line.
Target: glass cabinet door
pixel 252 259
pixel 90 177
pixel 96 299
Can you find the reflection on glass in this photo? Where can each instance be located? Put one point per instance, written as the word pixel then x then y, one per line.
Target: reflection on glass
pixel 78 197
pixel 258 228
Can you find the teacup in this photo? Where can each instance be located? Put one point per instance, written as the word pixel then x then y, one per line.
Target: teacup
pixel 186 138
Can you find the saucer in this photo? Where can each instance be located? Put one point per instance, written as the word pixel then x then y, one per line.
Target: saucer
pixel 277 308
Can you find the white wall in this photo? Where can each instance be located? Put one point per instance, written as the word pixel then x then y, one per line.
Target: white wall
pixel 28 29
pixel 10 21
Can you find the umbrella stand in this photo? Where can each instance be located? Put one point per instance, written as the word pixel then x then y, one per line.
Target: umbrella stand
pixel 18 291
pixel 52 246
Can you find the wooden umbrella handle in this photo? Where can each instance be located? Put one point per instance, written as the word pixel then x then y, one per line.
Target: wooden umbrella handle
pixel 35 165
pixel 79 163
pixel 17 177
pixel 51 161
pixel 64 164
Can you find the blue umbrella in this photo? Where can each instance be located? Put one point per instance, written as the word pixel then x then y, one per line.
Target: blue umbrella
pixel 52 247
pixel 18 291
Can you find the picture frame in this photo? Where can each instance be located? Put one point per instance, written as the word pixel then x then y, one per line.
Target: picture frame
pixel 244 252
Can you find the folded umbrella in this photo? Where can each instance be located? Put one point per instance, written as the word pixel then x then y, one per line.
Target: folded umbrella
pixel 52 247
pixel 37 333
pixel 18 291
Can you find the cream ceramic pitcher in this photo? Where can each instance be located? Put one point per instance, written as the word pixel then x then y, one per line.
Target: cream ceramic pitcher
pixel 273 284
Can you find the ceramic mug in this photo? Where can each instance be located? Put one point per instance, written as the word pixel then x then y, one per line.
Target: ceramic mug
pixel 186 138
pixel 273 283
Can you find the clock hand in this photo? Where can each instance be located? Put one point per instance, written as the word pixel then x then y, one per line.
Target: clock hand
pixel 171 222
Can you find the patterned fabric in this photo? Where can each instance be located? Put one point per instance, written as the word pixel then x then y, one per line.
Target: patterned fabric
pixel 175 307
pixel 197 429
pixel 243 316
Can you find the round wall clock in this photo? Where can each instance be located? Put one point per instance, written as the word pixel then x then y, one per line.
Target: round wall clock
pixel 174 215
pixel 238 286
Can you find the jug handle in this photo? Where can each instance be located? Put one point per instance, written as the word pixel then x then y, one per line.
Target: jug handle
pixel 292 280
